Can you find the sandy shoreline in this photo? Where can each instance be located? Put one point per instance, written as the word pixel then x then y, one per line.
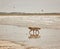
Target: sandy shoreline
pixel 4 44
pixel 17 38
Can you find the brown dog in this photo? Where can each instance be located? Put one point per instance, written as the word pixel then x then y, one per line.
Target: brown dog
pixel 34 29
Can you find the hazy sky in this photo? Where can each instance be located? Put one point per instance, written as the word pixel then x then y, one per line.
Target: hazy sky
pixel 30 6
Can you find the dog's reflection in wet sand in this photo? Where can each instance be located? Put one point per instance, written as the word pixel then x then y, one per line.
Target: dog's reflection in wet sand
pixel 34 36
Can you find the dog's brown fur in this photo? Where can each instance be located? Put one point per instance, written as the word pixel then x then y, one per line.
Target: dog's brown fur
pixel 34 29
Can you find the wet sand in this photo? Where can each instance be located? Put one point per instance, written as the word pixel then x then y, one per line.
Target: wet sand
pixel 5 44
pixel 49 38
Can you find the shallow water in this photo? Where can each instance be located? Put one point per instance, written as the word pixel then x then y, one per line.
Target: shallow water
pixel 49 38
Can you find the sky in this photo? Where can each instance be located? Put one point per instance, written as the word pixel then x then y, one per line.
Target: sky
pixel 30 6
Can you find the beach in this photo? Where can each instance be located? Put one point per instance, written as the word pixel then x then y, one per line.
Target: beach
pixel 5 44
pixel 14 32
pixel 49 38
